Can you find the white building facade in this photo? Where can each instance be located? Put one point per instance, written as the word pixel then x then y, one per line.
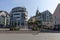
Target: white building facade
pixel 4 19
pixel 56 17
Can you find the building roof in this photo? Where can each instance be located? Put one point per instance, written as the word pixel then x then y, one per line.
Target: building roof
pixel 4 12
pixel 46 11
pixel 18 8
pixel 57 10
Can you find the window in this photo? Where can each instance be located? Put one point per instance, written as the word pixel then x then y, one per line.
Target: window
pixel 16 14
pixel 22 23
pixel 17 17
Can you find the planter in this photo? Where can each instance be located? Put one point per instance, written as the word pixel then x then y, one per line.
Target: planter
pixel 14 29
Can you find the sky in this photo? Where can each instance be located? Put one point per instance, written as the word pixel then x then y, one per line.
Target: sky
pixel 31 5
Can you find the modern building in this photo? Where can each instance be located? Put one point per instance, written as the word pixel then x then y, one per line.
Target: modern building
pixel 4 19
pixel 19 15
pixel 56 17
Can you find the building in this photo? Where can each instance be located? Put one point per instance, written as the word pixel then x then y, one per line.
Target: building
pixel 32 19
pixel 19 15
pixel 31 22
pixel 47 19
pixel 56 17
pixel 38 16
pixel 4 19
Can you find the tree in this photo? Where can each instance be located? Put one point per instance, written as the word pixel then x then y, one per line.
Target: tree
pixel 38 24
pixel 14 26
pixel 30 24
pixel 35 25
